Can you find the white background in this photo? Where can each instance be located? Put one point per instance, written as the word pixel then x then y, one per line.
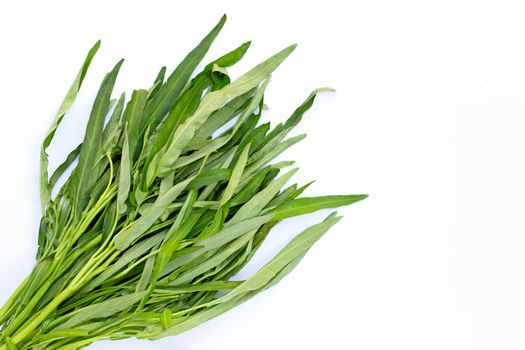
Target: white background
pixel 428 119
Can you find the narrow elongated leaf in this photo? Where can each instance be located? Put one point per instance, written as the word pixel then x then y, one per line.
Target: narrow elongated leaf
pixel 196 319
pixel 211 147
pixel 224 236
pixel 168 93
pixel 210 177
pixel 297 115
pixel 45 191
pixel 254 103
pixel 201 287
pixel 236 175
pixel 185 107
pixel 129 256
pixel 219 118
pixel 145 277
pixel 251 185
pixel 214 261
pixel 104 309
pixel 231 232
pixel 231 57
pixel 213 101
pixel 173 238
pixel 190 100
pixel 298 246
pixel 301 189
pixel 307 205
pixel 159 80
pixel 283 196
pixel 61 169
pixel 258 202
pixel 124 239
pixel 112 128
pixel 64 333
pixel 92 140
pixel 280 148
pixel 124 185
pixel 135 119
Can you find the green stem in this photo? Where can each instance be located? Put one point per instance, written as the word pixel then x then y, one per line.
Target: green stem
pixel 27 310
pixel 40 317
pixel 5 310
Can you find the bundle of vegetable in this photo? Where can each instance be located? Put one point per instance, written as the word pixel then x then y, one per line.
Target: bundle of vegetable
pixel 162 209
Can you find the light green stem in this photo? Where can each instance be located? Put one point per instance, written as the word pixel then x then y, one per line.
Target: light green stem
pixel 7 306
pixel 30 326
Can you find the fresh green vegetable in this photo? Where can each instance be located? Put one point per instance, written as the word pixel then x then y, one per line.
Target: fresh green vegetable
pixel 167 201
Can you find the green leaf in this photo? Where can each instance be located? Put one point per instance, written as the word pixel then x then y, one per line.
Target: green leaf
pixel 159 80
pixel 63 333
pixel 236 175
pixel 283 196
pixel 214 261
pixel 265 158
pixel 105 309
pixel 112 128
pixel 135 120
pixel 84 178
pixel 298 246
pixel 297 115
pixel 307 205
pixel 36 280
pixel 126 237
pixel 218 118
pixel 213 101
pixel 124 184
pixel 210 177
pixel 185 106
pixel 145 277
pixel 301 189
pixel 258 202
pixel 45 190
pixel 169 92
pixel 231 57
pixel 250 186
pixel 233 231
pixel 130 255
pixel 224 236
pixel 61 169
pixel 194 320
pixel 206 150
pixel 172 241
pixel 201 287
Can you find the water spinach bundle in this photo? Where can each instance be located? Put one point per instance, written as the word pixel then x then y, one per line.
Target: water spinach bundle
pixel 165 200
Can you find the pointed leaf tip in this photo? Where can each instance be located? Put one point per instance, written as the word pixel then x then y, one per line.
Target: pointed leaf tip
pixel 288 50
pixel 222 20
pixel 323 89
pixel 97 45
pixel 306 205
pixel 291 48
pixel 118 65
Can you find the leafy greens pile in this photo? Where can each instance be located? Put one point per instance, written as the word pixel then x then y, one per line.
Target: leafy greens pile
pixel 161 208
